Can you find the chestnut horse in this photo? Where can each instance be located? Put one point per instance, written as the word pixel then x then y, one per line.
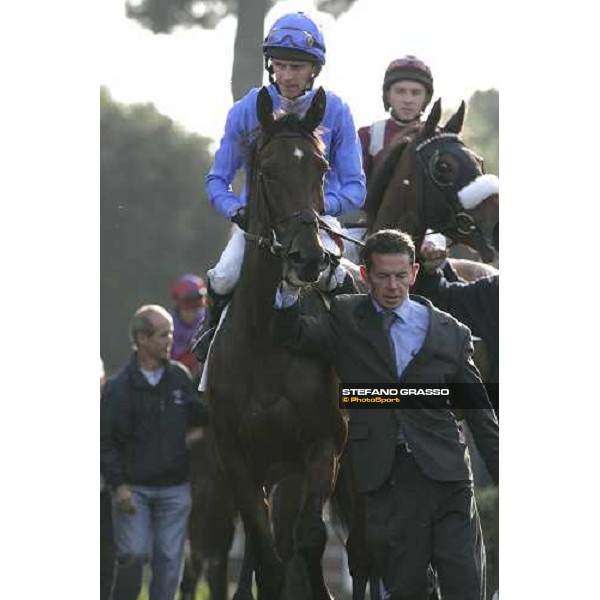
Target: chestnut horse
pixel 431 180
pixel 274 414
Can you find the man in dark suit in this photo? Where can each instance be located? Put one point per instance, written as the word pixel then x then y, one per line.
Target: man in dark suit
pixel 412 466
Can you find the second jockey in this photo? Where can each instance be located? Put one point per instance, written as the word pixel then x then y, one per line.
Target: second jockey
pixel 407 91
pixel 294 54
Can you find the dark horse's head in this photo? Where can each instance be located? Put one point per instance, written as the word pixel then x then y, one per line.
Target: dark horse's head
pixel 286 191
pixel 444 188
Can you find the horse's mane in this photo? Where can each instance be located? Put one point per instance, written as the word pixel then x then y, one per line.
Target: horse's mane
pixel 381 179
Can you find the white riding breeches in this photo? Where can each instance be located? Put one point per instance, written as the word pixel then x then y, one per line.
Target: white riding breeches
pixel 226 273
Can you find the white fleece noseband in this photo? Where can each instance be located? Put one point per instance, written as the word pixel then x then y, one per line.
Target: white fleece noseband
pixel 478 190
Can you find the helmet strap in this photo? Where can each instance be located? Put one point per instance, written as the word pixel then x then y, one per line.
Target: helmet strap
pixel 400 121
pixel 315 73
pixel 269 69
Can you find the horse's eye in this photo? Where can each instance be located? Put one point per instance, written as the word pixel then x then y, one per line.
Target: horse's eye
pixel 443 167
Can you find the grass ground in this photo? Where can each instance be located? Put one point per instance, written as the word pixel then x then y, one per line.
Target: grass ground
pixel 201 592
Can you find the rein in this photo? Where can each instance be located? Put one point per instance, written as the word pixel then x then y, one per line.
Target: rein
pixel 325 227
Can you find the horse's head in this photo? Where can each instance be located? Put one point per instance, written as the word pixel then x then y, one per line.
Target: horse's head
pixel 457 198
pixel 431 180
pixel 286 193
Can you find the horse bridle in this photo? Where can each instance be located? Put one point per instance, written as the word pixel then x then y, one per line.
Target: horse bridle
pixel 461 222
pixel 301 218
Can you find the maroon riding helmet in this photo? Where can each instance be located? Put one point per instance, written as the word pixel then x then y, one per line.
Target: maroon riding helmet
pixel 411 68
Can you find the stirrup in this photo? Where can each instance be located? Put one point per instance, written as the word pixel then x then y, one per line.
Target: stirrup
pixel 202 345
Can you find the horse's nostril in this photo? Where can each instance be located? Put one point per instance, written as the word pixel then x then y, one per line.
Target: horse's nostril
pixel 300 260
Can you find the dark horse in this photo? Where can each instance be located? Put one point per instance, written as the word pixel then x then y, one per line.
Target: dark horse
pixel 431 180
pixel 275 414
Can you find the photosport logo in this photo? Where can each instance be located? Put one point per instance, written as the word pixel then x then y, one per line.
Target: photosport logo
pixel 410 395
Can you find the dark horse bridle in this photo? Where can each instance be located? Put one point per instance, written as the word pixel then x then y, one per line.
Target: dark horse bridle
pixel 444 213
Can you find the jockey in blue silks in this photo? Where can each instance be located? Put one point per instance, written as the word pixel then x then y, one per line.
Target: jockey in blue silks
pixel 294 52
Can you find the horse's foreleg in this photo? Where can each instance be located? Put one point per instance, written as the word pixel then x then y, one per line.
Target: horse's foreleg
pixel 311 534
pixel 216 576
pixel 244 588
pixel 192 571
pixel 251 499
pixel 287 501
pixel 311 538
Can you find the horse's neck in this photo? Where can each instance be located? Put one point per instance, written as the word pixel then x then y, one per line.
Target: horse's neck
pixel 399 208
pixel 260 275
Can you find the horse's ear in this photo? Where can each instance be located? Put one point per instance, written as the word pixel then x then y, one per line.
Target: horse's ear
pixel 434 118
pixel 264 109
pixel 455 124
pixel 315 113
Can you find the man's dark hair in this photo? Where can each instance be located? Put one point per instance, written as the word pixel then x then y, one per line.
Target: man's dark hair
pixel 388 241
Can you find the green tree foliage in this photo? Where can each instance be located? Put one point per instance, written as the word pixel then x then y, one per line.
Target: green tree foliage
pixel 156 222
pixel 163 16
pixel 481 130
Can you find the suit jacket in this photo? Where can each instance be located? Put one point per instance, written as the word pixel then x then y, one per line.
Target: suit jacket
pixel 351 336
pixel 474 303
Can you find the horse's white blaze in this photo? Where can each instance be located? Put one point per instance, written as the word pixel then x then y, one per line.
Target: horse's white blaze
pixel 478 190
pixel 298 153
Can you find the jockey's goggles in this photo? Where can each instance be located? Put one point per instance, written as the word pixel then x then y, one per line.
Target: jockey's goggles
pixel 298 38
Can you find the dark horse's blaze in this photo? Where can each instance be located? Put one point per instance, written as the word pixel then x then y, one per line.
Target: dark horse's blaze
pixel 274 414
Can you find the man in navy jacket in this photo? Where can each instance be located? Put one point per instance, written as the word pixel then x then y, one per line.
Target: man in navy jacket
pixel 149 413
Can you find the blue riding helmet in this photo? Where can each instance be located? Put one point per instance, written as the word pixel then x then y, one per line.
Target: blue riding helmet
pixel 295 36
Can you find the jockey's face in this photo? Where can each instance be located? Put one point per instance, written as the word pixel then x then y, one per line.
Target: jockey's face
pixel 389 278
pixel 189 314
pixel 292 77
pixel 407 99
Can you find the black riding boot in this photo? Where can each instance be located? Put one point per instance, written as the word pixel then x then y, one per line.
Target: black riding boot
pixel 215 304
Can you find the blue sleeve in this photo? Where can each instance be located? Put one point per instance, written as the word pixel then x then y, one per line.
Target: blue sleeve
pixel 346 164
pixel 226 164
